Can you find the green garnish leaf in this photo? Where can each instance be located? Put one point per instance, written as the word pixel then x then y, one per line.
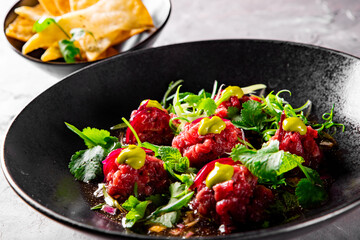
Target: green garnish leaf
pixel 41 24
pixel 268 163
pixel 68 50
pixel 77 33
pixel 252 117
pixel 94 137
pixel 179 198
pixel 86 165
pixel 310 194
pixel 136 210
pixel 208 105
pixel 97 207
pixel 232 112
pixel 167 219
pixel 174 163
pixel 310 191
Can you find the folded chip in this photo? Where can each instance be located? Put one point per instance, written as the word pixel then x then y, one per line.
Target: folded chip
pixel 81 4
pixel 20 28
pixel 32 13
pixel 63 6
pixel 101 19
pixel 50 7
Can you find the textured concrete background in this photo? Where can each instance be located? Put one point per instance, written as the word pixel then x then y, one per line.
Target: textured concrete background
pixel 328 23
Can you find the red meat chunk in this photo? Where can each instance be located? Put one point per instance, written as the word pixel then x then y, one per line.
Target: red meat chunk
pixel 239 200
pixel 120 179
pixel 301 145
pixel 151 124
pixel 201 149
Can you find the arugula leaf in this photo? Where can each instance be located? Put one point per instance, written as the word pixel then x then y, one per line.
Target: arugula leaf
pixel 136 210
pixel 268 163
pixel 68 50
pixel 252 117
pixel 93 137
pixel 179 198
pixel 86 165
pixel 310 191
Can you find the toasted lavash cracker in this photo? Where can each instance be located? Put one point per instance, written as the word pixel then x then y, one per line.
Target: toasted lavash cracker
pixel 101 19
pixel 94 48
pixel 50 7
pixel 33 13
pixel 81 4
pixel 52 53
pixel 63 6
pixel 21 29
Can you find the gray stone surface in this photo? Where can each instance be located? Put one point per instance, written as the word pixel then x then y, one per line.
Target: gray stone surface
pixel 328 23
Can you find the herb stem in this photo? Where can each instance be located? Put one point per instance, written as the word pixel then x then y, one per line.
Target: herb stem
pixel 133 131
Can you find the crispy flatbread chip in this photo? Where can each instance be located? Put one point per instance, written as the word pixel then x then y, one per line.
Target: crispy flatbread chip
pixel 50 7
pixel 81 4
pixel 52 53
pixel 63 6
pixel 108 53
pixel 20 28
pixel 33 13
pixel 102 19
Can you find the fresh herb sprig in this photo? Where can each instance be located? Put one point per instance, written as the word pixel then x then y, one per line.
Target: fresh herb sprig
pixel 86 165
pixel 270 164
pixel 67 46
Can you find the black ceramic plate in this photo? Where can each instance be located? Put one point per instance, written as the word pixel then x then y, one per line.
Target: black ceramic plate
pixel 159 10
pixel 38 145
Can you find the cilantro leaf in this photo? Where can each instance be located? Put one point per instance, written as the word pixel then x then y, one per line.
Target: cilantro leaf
pixel 86 165
pixel 268 163
pixel 41 24
pixel 208 105
pixel 252 117
pixel 167 219
pixel 136 210
pixel 68 50
pixel 232 112
pixel 192 99
pixel 310 191
pixel 93 137
pixel 309 194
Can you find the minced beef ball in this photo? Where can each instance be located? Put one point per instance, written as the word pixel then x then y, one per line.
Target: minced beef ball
pixel 120 179
pixel 301 145
pixel 230 203
pixel 151 125
pixel 201 149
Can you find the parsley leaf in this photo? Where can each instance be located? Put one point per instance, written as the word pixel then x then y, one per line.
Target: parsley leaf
pixel 252 117
pixel 268 163
pixel 86 165
pixel 136 210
